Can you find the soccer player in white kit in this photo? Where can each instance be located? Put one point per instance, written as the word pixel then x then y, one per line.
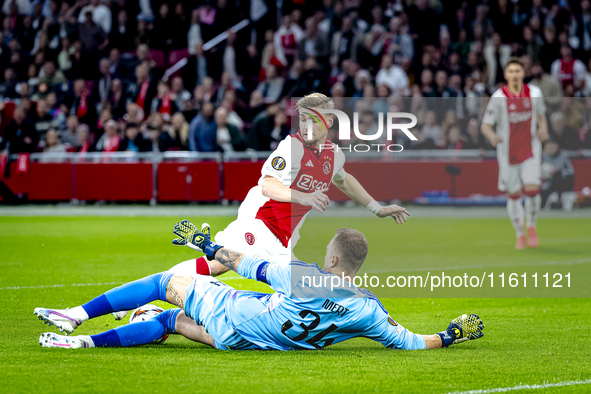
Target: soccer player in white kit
pixel 293 181
pixel 517 113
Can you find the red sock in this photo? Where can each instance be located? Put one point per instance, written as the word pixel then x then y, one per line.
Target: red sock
pixel 202 266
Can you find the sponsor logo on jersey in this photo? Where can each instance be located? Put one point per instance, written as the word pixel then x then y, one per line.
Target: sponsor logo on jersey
pixel 326 167
pixel 392 321
pixel 309 164
pixel 517 117
pixel 512 107
pixel 307 182
pixel 278 163
pixel 250 238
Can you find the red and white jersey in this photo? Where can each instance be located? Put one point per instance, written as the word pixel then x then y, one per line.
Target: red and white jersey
pixel 514 118
pixel 299 167
pixel 570 72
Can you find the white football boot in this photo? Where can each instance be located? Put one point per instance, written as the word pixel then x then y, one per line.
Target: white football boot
pixel 51 339
pixel 120 315
pixel 58 318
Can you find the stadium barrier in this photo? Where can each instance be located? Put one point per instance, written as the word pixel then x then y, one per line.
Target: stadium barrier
pixel 213 177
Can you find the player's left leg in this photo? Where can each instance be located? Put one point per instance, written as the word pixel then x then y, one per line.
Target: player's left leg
pixel 186 268
pixel 531 178
pixel 533 205
pixel 162 286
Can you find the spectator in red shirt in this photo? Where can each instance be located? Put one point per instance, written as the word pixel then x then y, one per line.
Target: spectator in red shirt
pixel 110 140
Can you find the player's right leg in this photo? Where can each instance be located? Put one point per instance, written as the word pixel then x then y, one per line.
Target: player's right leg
pixel 171 321
pixel 517 215
pixel 511 181
pixel 161 286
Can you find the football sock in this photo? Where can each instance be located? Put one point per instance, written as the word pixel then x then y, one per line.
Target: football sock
pixel 190 267
pixel 126 297
pixel 139 333
pixel 516 213
pixel 533 205
pixel 202 266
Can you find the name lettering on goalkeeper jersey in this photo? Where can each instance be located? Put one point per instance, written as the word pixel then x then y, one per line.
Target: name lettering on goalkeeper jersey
pixel 335 308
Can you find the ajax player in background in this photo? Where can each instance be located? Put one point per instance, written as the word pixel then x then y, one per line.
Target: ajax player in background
pixel 293 181
pixel 515 124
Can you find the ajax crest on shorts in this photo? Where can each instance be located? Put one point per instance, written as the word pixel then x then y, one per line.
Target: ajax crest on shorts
pixel 250 238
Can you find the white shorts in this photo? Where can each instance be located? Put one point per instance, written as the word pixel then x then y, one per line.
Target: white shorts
pixel 512 177
pixel 205 302
pixel 253 238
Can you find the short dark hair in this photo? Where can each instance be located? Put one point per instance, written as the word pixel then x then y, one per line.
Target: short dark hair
pixel 514 60
pixel 351 246
pixel 131 126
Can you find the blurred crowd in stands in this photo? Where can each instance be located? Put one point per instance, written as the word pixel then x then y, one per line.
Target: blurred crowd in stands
pixel 91 75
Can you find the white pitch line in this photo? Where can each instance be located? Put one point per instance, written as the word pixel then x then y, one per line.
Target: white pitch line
pixel 88 284
pixel 524 387
pixel 51 286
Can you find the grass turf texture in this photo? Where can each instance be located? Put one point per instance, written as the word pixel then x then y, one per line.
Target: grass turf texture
pixel 527 341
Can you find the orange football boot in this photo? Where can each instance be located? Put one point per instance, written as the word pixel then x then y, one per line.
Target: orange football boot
pixel 532 237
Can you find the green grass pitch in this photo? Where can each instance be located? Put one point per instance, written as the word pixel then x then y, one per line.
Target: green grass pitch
pixel 527 341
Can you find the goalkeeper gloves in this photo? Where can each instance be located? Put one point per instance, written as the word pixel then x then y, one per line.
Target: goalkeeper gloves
pixel 199 240
pixel 463 328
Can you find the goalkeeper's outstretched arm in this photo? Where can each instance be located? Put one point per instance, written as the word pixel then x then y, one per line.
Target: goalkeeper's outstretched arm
pixel 228 258
pixel 200 240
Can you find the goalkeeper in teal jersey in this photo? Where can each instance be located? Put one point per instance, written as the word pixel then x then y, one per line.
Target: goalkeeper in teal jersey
pixel 297 316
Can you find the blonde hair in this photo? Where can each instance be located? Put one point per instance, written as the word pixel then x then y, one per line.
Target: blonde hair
pixel 183 132
pixel 315 100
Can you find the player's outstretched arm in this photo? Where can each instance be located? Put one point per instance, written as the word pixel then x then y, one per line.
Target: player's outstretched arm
pixel 352 188
pixel 275 190
pixel 461 329
pixel 200 240
pixel 228 258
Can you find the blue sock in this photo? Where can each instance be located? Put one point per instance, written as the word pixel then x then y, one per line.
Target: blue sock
pixel 129 296
pixel 139 333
